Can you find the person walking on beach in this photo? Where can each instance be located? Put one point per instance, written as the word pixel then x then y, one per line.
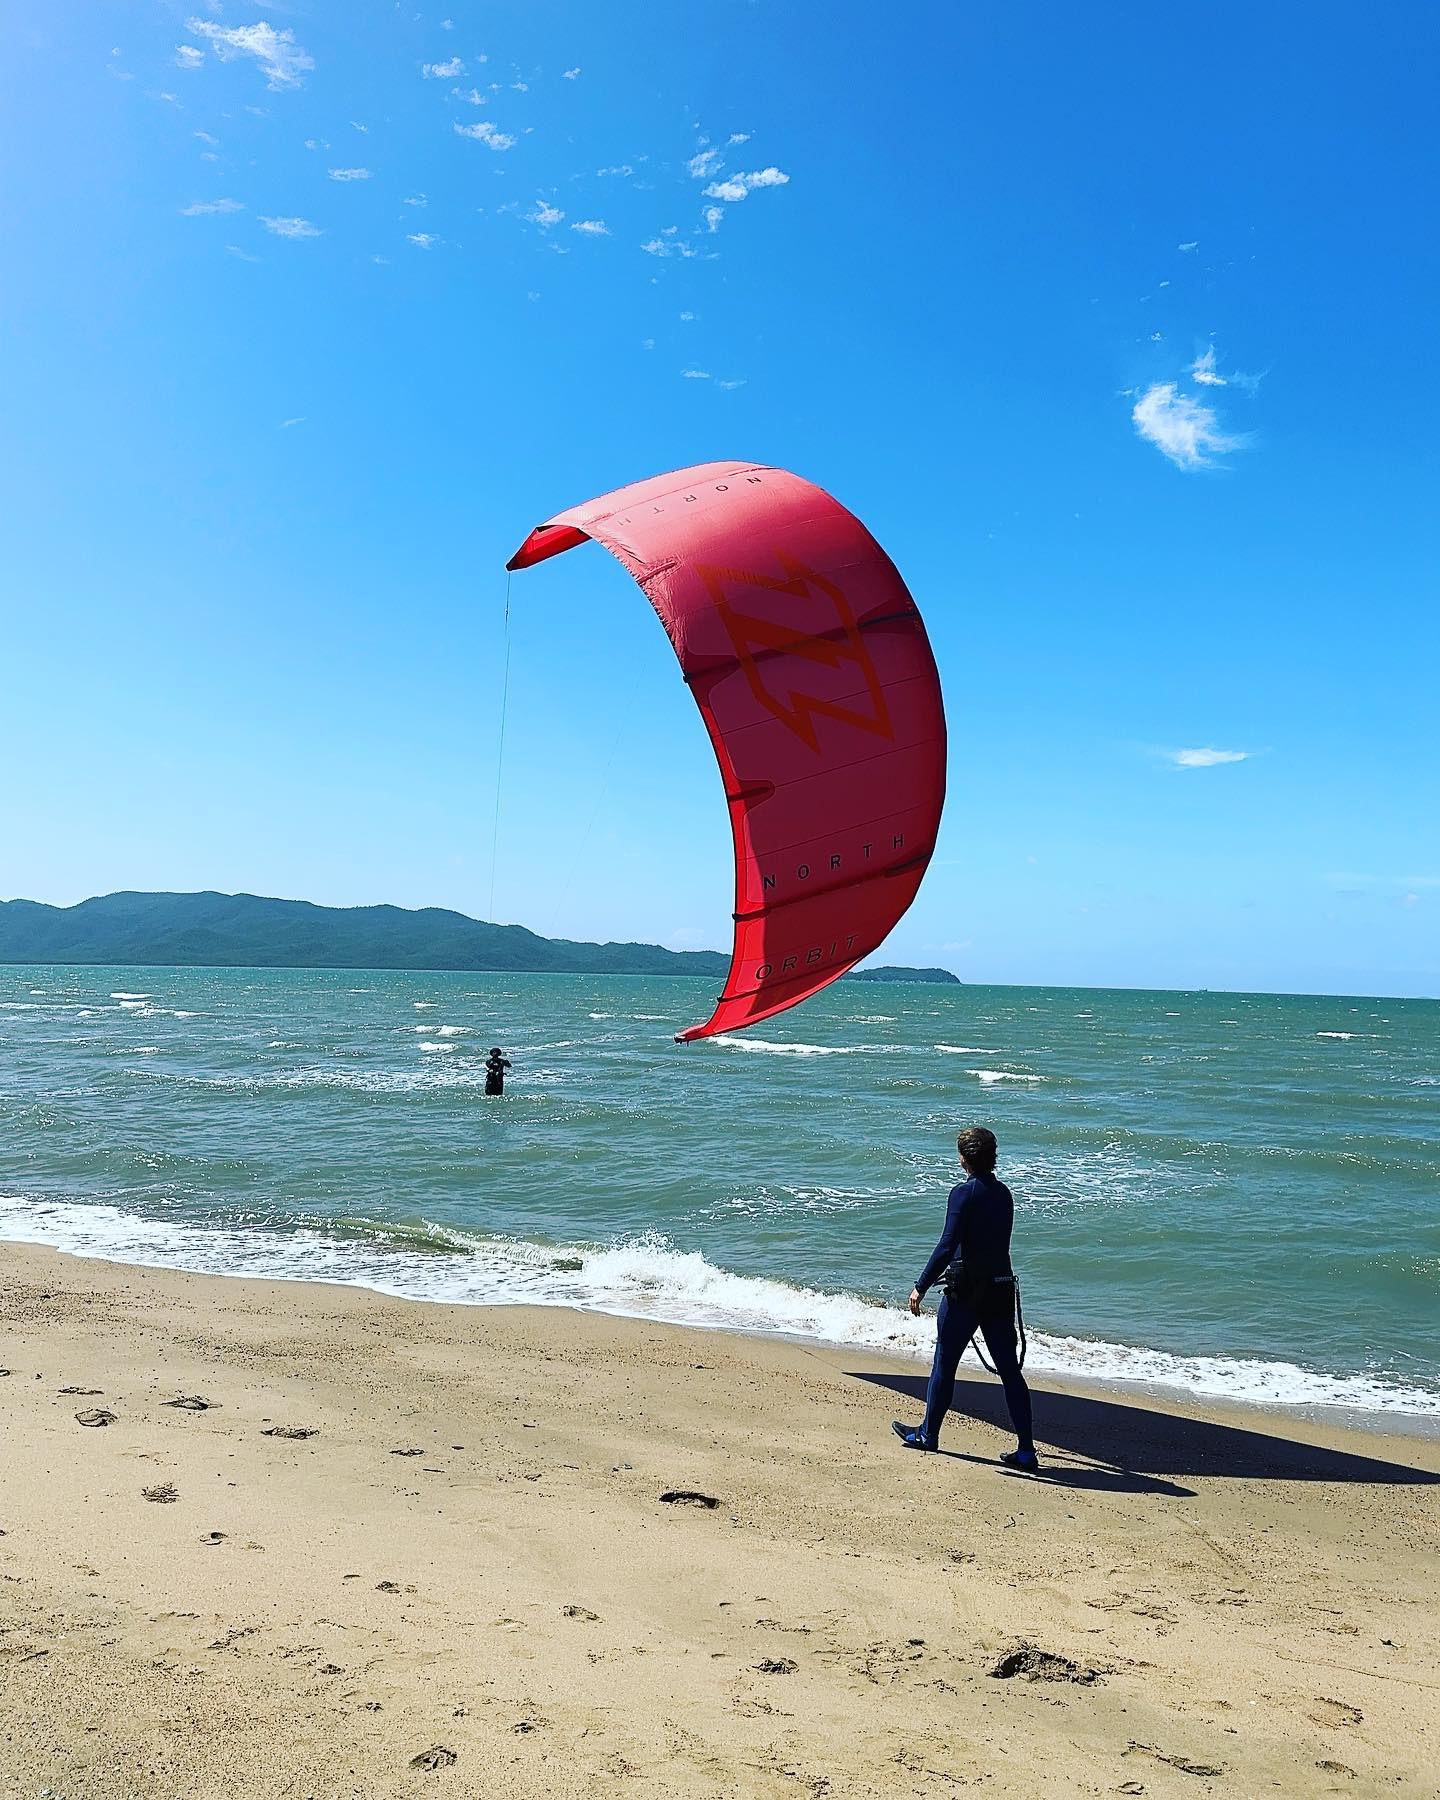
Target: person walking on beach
pixel 980 1294
pixel 495 1066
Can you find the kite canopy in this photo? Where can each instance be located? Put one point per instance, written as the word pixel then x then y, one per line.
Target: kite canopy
pixel 810 665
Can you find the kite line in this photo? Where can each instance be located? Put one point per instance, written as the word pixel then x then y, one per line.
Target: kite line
pixel 500 752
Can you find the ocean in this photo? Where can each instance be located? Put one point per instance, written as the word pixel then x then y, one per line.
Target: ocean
pixel 1234 1195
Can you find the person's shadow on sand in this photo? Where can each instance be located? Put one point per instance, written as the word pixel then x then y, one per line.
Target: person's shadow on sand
pixel 1126 1449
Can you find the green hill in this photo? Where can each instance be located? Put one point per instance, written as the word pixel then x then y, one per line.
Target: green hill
pixel 247 931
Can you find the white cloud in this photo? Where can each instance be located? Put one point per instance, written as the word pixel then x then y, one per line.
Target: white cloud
pixel 1185 430
pixel 187 56
pixel 290 228
pixel 695 374
pixel 1206 759
pixel 1194 244
pixel 384 261
pixel 1157 337
pixel 285 424
pixel 355 125
pixel 416 200
pixel 282 62
pixel 736 187
pixel 447 24
pixel 242 255
pixel 422 240
pixel 1203 369
pixel 443 71
pixel 350 175
pixel 572 74
pixel 205 137
pixel 687 316
pixel 472 98
pixel 668 246
pixel 485 132
pixel 170 98
pixel 545 215
pixel 197 207
pixel 591 227
pixel 618 169
pixel 520 87
pixel 730 384
pixel 738 137
pixel 712 216
pixel 647 343
pixel 704 163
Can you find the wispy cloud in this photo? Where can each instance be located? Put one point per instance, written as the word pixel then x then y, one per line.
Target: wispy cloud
pixel 241 255
pixel 282 62
pixel 285 424
pixel 695 374
pixel 572 74
pixel 349 174
pixel 355 125
pixel 1204 371
pixel 443 71
pixel 485 132
pixel 416 200
pixel 738 137
pixel 198 207
pixel 591 227
pixel 618 169
pixel 730 384
pixel 423 240
pixel 712 216
pixel 667 244
pixel 736 187
pixel 1184 429
pixel 205 138
pixel 1194 244
pixel 290 228
pixel 704 163
pixel 188 56
pixel 1206 759
pixel 471 96
pixel 545 215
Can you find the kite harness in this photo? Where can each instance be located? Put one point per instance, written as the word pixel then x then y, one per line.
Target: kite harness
pixel 968 1288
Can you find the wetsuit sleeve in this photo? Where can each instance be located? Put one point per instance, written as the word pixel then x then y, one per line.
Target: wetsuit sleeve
pixel 945 1251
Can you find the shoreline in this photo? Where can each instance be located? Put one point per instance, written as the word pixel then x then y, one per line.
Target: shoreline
pixel 382 1531
pixel 1377 1420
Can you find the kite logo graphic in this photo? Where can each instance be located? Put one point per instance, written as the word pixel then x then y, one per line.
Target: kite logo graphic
pixel 770 648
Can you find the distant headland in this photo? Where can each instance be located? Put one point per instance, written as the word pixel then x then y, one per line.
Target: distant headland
pixel 248 931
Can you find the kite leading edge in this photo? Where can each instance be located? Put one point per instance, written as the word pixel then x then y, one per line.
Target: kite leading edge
pixel 810 665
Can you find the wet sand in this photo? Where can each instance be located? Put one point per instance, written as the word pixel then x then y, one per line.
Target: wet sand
pixel 412 1549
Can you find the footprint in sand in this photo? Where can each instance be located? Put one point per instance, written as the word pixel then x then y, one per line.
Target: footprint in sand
pixel 84 1393
pixel 688 1497
pixel 163 1494
pixel 1335 1712
pixel 95 1415
pixel 291 1431
pixel 437 1758
pixel 581 1612
pixel 212 1537
pixel 191 1403
pixel 1036 1664
pixel 412 1452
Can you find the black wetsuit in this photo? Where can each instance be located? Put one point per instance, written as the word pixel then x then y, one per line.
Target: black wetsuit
pixel 978 1222
pixel 495 1067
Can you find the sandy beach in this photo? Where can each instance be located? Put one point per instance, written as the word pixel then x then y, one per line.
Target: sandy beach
pixel 392 1548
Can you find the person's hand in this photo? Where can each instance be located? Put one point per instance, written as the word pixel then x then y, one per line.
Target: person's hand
pixel 915 1301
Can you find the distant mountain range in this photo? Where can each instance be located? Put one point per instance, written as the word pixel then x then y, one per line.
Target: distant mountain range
pixel 247 931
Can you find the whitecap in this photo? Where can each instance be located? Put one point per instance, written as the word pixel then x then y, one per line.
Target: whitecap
pixel 1346 1035
pixel 990 1076
pixel 965 1050
pixel 448 1047
pixel 420 1005
pixel 130 996
pixel 768 1046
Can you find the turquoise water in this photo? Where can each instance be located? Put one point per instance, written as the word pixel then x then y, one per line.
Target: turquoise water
pixel 1234 1194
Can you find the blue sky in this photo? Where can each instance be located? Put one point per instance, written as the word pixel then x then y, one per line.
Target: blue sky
pixel 1115 323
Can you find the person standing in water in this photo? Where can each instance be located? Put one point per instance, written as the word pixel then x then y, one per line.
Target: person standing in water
pixel 980 1294
pixel 495 1066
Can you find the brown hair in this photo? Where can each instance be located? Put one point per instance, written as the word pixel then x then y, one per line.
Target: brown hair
pixel 977 1146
